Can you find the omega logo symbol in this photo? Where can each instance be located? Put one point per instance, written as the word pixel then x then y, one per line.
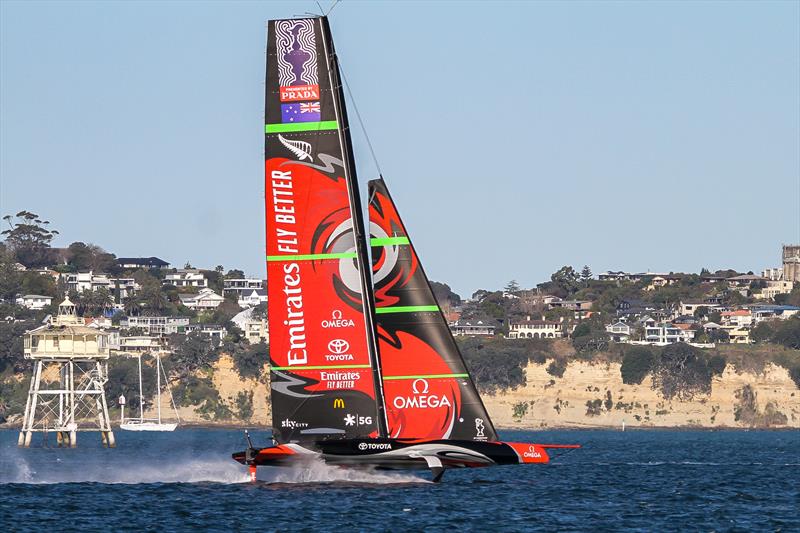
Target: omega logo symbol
pixel 338 346
pixel 336 315
pixel 415 386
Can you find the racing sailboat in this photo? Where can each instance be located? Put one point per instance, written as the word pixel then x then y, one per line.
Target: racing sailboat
pixel 364 371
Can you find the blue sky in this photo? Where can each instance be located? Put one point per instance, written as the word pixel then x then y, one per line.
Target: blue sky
pixel 515 137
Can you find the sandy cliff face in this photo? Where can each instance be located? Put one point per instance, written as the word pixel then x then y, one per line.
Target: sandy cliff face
pixel 767 399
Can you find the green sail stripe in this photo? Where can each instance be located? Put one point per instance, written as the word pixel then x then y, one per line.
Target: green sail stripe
pixel 323 367
pixel 311 257
pixel 406 309
pixel 301 126
pixel 427 376
pixel 388 241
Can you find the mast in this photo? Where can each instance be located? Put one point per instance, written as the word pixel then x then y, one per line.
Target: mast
pixel 362 257
pixel 141 399
pixel 158 386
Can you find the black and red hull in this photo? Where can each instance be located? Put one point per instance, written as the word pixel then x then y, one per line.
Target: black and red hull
pixel 399 454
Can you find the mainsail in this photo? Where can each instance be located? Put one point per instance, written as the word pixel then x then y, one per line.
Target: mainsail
pixel 426 386
pixel 322 347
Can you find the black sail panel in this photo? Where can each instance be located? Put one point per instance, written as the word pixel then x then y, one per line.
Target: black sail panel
pixel 427 388
pixel 321 361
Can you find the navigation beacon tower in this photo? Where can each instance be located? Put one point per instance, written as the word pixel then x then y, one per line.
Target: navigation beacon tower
pixel 70 369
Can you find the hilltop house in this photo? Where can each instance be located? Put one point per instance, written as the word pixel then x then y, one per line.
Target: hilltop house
pixel 215 331
pixel 689 307
pixel 474 326
pixel 773 289
pixel 581 308
pixel 767 312
pixel 240 286
pixel 86 281
pixel 534 329
pixel 740 318
pixel 146 263
pixel 619 331
pixel 205 300
pixel 34 301
pixel 255 330
pixel 252 297
pixel 156 325
pixel 186 277
pixel 666 333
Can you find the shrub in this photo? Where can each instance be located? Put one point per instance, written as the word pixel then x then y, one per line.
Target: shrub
pixel 244 405
pixel 681 371
pixel 519 410
pixel 636 364
pixel 557 367
pixel 717 364
pixel 249 362
pixel 788 333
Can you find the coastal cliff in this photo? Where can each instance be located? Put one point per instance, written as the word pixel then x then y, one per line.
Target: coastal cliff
pixel 589 394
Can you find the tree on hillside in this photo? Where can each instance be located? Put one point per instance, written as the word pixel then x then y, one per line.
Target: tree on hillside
pixel 444 294
pixel 10 277
pixel 586 275
pixel 29 238
pixel 512 287
pixel 566 279
pixel 788 333
pixel 681 371
pixel 83 257
pixel 192 352
pixel 234 274
pixel 150 299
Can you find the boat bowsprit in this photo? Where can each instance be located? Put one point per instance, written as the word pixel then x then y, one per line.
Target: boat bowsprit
pixel 364 371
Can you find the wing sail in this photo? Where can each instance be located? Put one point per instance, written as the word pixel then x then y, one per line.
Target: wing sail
pixel 321 362
pixel 426 385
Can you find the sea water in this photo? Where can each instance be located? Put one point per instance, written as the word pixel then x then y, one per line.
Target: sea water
pixel 653 480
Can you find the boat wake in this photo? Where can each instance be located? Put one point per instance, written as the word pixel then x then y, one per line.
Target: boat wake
pixel 194 470
pixel 16 468
pixel 319 472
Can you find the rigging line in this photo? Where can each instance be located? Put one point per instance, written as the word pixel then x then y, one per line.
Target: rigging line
pixel 360 121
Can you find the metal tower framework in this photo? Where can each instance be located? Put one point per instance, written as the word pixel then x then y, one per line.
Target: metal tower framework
pixel 67 390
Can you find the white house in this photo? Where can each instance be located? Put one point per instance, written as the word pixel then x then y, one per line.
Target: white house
pixel 252 297
pixel 620 331
pixel 34 301
pixel 240 286
pixel 740 318
pixel 479 326
pixel 774 288
pixel 156 325
pixel 87 281
pixel 255 329
pixel 662 334
pixel 534 329
pixel 215 331
pixel 204 300
pixel 186 277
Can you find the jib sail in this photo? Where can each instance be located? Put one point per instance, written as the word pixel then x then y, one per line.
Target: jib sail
pixel 320 355
pixel 426 386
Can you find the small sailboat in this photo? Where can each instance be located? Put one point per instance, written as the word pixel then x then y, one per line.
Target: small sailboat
pixel 152 424
pixel 364 371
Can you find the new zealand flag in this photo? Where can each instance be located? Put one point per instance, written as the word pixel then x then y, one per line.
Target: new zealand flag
pixel 300 112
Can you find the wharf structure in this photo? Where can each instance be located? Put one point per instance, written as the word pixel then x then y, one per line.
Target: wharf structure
pixel 67 389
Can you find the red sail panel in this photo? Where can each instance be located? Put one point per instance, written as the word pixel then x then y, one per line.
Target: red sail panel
pixel 321 378
pixel 427 388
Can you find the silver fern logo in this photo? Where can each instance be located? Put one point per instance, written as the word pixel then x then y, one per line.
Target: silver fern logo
pixel 301 149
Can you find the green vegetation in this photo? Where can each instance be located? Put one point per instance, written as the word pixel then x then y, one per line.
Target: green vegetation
pixel 637 362
pixel 249 361
pixel 682 371
pixel 244 405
